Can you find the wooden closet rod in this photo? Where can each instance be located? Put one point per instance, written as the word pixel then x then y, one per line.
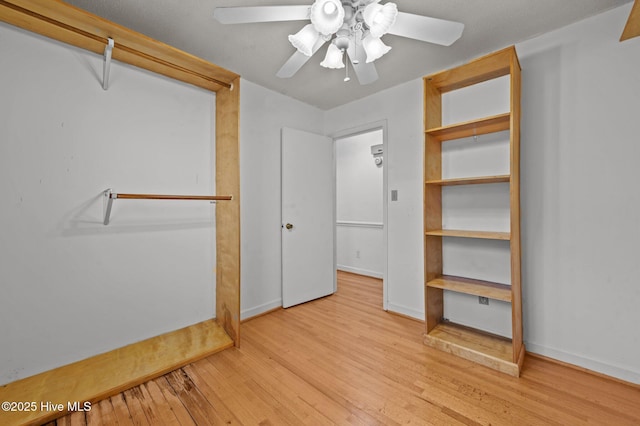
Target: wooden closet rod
pixel 171 197
pixel 109 196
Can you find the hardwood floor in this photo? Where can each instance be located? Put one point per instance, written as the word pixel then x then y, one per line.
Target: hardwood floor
pixel 343 360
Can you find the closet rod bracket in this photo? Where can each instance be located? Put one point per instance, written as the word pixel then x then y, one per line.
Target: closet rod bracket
pixel 107 203
pixel 106 66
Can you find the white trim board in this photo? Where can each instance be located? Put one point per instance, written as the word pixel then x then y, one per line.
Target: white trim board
pixel 404 310
pixel 359 271
pixel 589 364
pixel 260 309
pixel 359 224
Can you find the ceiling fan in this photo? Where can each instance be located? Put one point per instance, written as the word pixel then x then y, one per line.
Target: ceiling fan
pixel 354 27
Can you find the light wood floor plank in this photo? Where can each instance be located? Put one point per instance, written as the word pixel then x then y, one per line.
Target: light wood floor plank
pixel 343 360
pixel 158 411
pixel 136 409
pixel 120 410
pixel 179 410
pixel 268 388
pixel 349 371
pixel 232 390
pixel 201 408
pixel 297 391
pixel 101 413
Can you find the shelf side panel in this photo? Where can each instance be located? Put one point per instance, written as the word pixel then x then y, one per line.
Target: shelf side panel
pixel 434 298
pixel 514 189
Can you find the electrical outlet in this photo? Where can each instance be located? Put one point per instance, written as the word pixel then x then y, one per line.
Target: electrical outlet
pixel 483 300
pixel 357 254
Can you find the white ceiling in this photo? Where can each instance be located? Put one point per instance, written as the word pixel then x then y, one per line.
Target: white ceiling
pixel 257 51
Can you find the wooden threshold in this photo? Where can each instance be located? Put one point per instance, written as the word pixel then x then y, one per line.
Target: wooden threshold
pixel 110 373
pixel 487 235
pixel 481 126
pixel 471 180
pixel 492 351
pixel 474 287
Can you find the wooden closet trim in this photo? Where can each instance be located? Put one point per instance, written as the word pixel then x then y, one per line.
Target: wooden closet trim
pixel 63 22
pixel 632 28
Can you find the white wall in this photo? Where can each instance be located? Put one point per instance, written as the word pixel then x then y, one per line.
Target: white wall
pixel 581 204
pixel 401 107
pixel 477 207
pixel 359 205
pixel 263 113
pixel 72 287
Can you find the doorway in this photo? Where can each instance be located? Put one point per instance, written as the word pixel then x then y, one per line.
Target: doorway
pixel 361 205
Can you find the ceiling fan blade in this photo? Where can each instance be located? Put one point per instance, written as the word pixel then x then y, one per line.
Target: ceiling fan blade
pixel 425 28
pixel 297 60
pixel 249 14
pixel 366 72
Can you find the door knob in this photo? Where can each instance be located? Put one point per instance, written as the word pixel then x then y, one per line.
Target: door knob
pixel 288 226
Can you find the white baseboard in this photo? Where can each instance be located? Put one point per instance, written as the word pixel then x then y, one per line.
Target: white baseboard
pixel 399 309
pixel 589 364
pixel 360 271
pixel 257 310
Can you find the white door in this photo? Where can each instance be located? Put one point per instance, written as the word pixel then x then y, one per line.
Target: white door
pixel 308 260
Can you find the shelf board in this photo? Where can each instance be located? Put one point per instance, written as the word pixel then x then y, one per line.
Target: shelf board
pixel 496 123
pixel 470 180
pixel 484 348
pixel 470 286
pixel 487 235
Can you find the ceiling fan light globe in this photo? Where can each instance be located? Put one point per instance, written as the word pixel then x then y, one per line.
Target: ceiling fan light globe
pixel 304 39
pixel 380 18
pixel 333 58
pixel 374 48
pixel 327 16
pixel 329 8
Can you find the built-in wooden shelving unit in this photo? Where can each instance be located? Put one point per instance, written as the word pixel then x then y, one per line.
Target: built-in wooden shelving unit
pixel 494 351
